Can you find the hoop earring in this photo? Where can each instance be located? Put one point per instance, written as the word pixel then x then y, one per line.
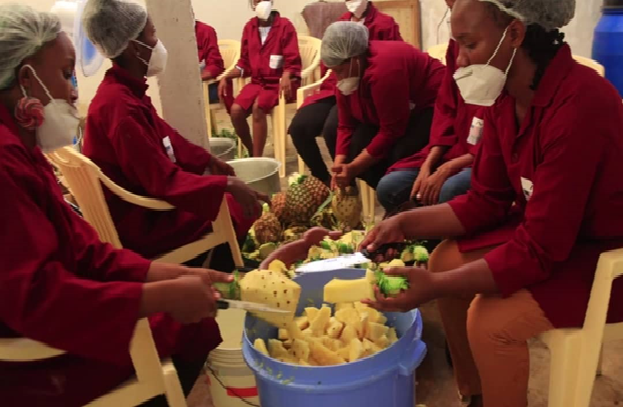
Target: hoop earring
pixel 29 112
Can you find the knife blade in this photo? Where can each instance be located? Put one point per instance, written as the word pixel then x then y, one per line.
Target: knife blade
pixel 348 260
pixel 248 306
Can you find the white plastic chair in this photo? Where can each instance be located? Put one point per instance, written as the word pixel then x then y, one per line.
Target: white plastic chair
pixel 576 353
pixel 591 63
pixel 230 52
pixel 153 376
pixel 309 48
pixel 84 179
pixel 439 52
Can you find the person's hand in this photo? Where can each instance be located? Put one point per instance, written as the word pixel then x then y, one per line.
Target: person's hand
pixel 422 289
pixel 192 299
pixel 218 167
pixel 419 182
pixel 343 175
pixel 246 197
pixel 388 231
pixel 431 189
pixel 286 85
pixel 222 90
pixel 165 271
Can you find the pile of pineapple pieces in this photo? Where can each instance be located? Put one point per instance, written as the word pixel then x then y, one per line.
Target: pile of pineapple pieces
pixel 317 338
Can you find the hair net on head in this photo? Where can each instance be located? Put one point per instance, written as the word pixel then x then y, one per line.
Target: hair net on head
pixel 343 40
pixel 112 24
pixel 549 14
pixel 23 31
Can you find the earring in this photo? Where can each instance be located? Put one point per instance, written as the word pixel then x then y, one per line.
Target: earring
pixel 29 112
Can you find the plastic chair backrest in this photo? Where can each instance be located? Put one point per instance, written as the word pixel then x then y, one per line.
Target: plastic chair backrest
pixel 84 180
pixel 309 48
pixel 230 51
pixel 439 52
pixel 591 63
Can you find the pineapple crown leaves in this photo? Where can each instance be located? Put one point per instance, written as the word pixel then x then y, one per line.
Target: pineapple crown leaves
pixel 265 208
pixel 325 204
pixel 296 179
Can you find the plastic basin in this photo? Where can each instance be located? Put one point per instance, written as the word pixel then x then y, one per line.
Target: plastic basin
pixel 223 148
pixel 386 379
pixel 261 174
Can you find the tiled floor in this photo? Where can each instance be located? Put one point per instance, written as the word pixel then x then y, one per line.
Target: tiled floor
pixel 434 377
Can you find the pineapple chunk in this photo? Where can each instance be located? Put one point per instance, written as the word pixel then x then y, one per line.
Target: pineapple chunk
pixel 332 344
pixel 376 331
pixel 362 328
pixel 278 266
pixel 335 329
pixel 392 336
pixel 276 349
pixel 310 313
pixel 369 348
pixel 383 342
pixel 273 289
pixel 347 316
pixel 300 350
pixel 348 334
pixel 319 323
pixel 337 291
pixel 382 319
pixel 324 356
pixel 344 353
pixel 343 305
pixel 303 363
pixel 293 331
pixel 287 344
pixel 260 345
pixel 355 350
pixel 302 322
pixel 283 334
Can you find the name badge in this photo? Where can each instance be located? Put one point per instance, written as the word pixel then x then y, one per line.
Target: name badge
pixel 528 187
pixel 276 61
pixel 475 132
pixel 168 147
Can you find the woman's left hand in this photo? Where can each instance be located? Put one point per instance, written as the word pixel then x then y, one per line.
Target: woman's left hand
pixel 286 86
pixel 218 167
pixel 431 188
pixel 343 174
pixel 422 289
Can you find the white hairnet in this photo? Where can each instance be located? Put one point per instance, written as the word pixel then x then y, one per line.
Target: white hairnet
pixel 549 14
pixel 23 31
pixel 112 24
pixel 342 41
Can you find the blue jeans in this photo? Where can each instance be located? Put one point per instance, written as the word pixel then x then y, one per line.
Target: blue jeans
pixel 394 189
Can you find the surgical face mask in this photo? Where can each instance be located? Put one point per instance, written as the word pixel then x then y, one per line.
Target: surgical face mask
pixel 158 60
pixel 357 7
pixel 349 85
pixel 263 10
pixel 481 85
pixel 60 121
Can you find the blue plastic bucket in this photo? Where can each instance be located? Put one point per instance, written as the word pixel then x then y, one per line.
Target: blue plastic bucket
pixel 608 42
pixel 386 379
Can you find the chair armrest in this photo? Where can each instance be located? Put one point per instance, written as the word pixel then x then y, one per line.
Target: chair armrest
pixel 25 350
pixel 149 203
pixel 306 91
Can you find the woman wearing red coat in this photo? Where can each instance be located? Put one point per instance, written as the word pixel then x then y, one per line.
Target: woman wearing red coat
pixel 386 94
pixel 270 57
pixel 210 59
pixel 545 200
pixel 59 284
pixel 138 150
pixel 320 110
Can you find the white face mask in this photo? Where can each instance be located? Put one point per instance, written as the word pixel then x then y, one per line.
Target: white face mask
pixel 263 10
pixel 60 121
pixel 481 85
pixel 158 60
pixel 357 7
pixel 348 86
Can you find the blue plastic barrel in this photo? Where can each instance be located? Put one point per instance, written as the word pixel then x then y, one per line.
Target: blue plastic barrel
pixel 608 42
pixel 386 379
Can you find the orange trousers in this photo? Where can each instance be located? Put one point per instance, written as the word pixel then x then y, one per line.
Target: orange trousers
pixel 487 336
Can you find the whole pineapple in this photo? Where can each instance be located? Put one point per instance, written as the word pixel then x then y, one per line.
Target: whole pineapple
pixel 303 198
pixel 278 206
pixel 347 208
pixel 267 228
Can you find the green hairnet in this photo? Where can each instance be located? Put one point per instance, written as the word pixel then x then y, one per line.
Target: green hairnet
pixel 112 24
pixel 23 31
pixel 549 14
pixel 342 41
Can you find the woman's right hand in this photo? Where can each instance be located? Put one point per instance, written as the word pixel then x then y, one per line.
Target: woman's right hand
pixel 388 231
pixel 192 299
pixel 222 90
pixel 418 185
pixel 246 197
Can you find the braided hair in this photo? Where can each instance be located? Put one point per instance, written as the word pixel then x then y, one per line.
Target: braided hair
pixel 540 44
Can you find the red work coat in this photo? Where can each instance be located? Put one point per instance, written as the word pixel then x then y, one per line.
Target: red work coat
pixel 381 27
pixel 562 168
pixel 209 53
pixel 452 121
pixel 397 77
pixel 138 150
pixel 61 286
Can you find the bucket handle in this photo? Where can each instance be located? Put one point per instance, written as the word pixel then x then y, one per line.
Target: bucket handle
pixel 416 353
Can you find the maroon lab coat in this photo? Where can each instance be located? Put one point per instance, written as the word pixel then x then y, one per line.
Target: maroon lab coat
pixel 451 123
pixel 397 76
pixel 126 138
pixel 255 61
pixel 207 45
pixel 562 168
pixel 381 27
pixel 60 285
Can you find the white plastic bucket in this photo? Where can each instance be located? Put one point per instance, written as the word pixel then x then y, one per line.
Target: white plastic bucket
pixel 261 174
pixel 229 378
pixel 223 148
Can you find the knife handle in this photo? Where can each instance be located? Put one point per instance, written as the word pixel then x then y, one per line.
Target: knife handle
pixel 220 304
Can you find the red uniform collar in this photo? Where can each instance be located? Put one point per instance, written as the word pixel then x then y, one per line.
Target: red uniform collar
pixel 137 86
pixel 555 73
